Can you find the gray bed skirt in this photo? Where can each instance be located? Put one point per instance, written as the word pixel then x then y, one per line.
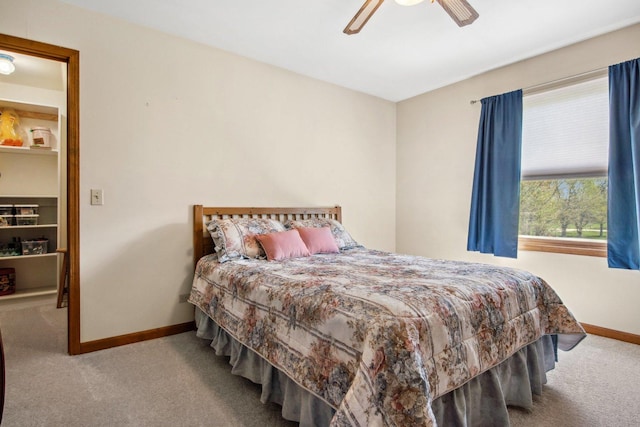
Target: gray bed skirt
pixel 481 401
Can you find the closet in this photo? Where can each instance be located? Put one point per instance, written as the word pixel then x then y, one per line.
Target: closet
pixel 32 188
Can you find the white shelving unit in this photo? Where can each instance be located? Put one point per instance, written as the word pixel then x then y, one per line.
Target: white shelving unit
pixel 28 151
pixel 31 176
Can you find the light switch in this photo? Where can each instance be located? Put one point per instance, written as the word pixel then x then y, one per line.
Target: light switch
pixel 97 197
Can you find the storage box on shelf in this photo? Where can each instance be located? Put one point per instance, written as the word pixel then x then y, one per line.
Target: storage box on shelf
pixel 29 209
pixel 35 247
pixel 26 219
pixel 41 137
pixel 34 217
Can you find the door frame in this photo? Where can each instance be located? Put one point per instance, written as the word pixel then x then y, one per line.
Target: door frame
pixel 72 58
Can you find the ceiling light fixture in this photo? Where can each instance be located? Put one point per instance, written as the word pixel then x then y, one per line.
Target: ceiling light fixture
pixel 6 64
pixel 459 10
pixel 408 2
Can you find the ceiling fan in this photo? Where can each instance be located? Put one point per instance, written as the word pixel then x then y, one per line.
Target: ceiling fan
pixel 460 10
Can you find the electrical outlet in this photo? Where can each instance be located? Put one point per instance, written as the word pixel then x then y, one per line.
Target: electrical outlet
pixel 97 197
pixel 183 298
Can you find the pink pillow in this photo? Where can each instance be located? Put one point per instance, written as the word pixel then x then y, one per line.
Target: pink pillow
pixel 319 240
pixel 282 245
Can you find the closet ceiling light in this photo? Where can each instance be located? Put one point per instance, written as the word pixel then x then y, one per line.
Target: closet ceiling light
pixel 6 64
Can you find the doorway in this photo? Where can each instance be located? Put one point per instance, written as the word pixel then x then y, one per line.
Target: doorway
pixel 72 59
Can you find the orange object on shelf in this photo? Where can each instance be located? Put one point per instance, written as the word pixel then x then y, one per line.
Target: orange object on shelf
pixel 9 122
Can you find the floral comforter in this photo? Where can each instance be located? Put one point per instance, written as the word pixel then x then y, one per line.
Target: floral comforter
pixel 379 335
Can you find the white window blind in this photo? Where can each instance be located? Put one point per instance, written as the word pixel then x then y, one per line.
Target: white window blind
pixel 565 131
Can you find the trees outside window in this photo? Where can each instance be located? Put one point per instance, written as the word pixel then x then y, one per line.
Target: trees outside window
pixel 567 208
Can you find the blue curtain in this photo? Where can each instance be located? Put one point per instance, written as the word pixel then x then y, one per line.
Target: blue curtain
pixel 495 201
pixel 624 165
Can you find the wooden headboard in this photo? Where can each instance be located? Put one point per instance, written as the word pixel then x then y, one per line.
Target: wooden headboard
pixel 202 243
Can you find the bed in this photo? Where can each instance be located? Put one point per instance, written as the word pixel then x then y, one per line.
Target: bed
pixel 364 337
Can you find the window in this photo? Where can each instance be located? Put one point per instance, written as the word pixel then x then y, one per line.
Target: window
pixel 563 193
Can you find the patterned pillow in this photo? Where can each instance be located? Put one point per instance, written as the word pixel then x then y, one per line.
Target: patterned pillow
pixel 235 237
pixel 342 236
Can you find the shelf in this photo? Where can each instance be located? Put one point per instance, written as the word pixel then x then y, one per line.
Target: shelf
pixel 22 227
pixel 27 150
pixel 32 111
pixel 28 196
pixel 33 176
pixel 32 292
pixel 14 258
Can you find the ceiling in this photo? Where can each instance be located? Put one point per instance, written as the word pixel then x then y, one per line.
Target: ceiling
pixel 400 53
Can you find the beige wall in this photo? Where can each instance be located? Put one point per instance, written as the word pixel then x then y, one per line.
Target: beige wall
pixel 166 123
pixel 436 139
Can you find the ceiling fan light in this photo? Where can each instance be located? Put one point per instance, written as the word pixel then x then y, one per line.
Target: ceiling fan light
pixel 408 2
pixel 6 64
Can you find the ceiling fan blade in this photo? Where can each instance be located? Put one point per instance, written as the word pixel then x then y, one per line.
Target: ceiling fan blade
pixel 363 15
pixel 460 10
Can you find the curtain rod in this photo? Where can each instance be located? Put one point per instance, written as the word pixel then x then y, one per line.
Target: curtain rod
pixel 563 81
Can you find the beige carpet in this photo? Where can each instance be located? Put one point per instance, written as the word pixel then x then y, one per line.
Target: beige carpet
pixel 178 381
